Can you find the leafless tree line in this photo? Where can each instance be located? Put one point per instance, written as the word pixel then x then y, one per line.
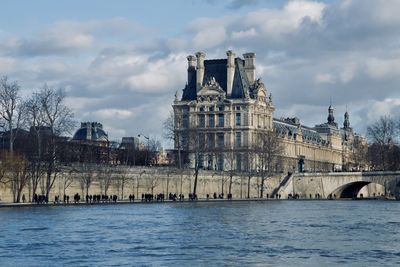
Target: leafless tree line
pixel 45 114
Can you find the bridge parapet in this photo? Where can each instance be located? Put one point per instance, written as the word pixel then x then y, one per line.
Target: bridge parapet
pixel 344 184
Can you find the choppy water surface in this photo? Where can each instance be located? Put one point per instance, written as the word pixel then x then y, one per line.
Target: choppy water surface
pixel 273 233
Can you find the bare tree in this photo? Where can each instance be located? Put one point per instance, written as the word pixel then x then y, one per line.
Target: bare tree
pixel 86 177
pixel 382 134
pixel 153 150
pixel 58 119
pixel 268 150
pixel 172 124
pixel 359 155
pixel 34 122
pixel 196 140
pixel 16 167
pixel 105 177
pixel 11 108
pixel 191 140
pixel 121 181
pixel 138 178
pixel 152 182
pixel 250 167
pixel 68 179
pixel 230 159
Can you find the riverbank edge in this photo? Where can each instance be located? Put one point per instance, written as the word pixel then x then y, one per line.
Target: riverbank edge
pixel 18 205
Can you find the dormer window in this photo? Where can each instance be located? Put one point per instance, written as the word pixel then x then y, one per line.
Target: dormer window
pixel 237 108
pixel 201 108
pixel 211 108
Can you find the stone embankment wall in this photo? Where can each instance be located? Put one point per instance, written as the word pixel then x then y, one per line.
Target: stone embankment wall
pixel 138 180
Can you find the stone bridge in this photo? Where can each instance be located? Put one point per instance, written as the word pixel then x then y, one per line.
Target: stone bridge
pixel 342 184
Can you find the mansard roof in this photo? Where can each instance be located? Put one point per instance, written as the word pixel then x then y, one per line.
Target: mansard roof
pixel 216 68
pixel 288 128
pixel 189 92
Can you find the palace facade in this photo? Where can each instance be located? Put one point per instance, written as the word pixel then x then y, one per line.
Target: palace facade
pixel 228 106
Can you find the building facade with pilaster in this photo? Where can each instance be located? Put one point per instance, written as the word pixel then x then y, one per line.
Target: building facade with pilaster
pixel 227 106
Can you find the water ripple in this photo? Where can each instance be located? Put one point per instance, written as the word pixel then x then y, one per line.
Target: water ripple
pixel 284 233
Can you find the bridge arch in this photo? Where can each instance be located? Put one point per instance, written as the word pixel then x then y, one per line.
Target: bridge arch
pixel 350 190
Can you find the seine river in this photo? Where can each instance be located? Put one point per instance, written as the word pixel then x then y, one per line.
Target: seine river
pixel 270 233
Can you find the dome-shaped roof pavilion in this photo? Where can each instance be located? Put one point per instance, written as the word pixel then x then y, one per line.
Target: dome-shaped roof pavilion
pixel 91 131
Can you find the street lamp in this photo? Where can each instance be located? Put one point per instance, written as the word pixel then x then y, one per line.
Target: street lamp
pixel 139 135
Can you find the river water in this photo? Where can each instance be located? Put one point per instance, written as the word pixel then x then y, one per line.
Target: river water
pixel 270 233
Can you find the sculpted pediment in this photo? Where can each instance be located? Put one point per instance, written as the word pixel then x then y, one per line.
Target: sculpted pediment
pixel 211 90
pixel 258 91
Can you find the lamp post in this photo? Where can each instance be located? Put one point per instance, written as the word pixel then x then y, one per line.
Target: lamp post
pixel 146 137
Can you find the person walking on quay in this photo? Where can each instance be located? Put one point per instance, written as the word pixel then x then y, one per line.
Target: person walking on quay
pixel 23 198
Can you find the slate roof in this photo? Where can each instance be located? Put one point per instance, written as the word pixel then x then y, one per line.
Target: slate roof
pixel 289 129
pixel 97 134
pixel 217 68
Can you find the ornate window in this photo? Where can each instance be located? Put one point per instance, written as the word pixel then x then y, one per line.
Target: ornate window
pixel 238 119
pixel 221 120
pixel 238 162
pixel 185 120
pixel 238 140
pixel 211 141
pixel 211 121
pixel 221 162
pixel 220 140
pixel 202 121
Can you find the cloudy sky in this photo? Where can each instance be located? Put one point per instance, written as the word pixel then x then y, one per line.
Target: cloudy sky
pixel 121 62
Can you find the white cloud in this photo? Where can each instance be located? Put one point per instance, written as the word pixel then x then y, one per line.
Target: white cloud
pixel 7 64
pixel 113 113
pixel 379 68
pixel 159 75
pixel 80 103
pixel 324 78
pixel 348 72
pixel 210 37
pixel 386 107
pixel 286 20
pixel 244 33
pixel 176 44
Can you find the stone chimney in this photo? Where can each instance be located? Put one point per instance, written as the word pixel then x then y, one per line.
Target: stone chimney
pixel 250 66
pixel 230 68
pixel 191 67
pixel 200 70
pixel 88 131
